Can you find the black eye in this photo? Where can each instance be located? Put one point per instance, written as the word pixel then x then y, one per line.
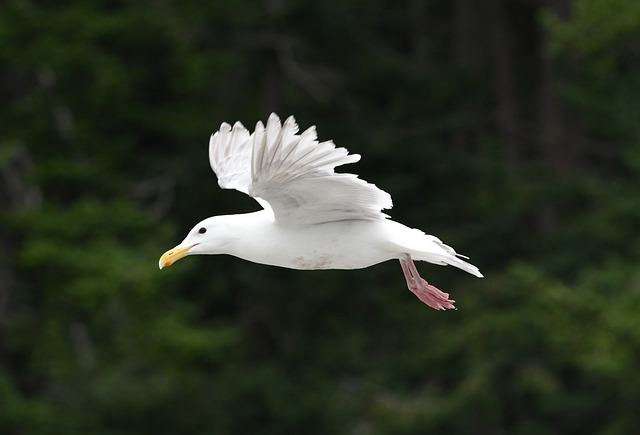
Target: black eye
pixel 202 230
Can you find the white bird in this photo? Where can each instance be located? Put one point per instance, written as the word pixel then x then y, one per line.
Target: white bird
pixel 312 217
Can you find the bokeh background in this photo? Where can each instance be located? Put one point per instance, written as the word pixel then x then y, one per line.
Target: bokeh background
pixel 508 128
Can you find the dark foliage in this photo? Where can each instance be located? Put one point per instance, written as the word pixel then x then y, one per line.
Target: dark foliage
pixel 509 128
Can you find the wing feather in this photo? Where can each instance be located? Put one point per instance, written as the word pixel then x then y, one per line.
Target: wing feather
pixel 293 174
pixel 230 156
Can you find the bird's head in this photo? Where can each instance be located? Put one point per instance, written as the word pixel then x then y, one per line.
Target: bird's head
pixel 204 238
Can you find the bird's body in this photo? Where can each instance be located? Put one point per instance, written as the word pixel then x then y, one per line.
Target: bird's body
pixel 348 244
pixel 313 218
pixel 328 245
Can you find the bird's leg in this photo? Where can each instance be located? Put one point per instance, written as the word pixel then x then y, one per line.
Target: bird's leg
pixel 427 293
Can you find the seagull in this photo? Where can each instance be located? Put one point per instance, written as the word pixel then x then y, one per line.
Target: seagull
pixel 312 217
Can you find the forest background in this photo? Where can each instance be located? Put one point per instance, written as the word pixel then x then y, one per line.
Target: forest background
pixel 508 128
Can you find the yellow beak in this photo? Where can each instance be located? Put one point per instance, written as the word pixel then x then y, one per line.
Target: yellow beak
pixel 173 255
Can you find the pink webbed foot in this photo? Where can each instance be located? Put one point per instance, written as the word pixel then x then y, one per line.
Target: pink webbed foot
pixel 426 292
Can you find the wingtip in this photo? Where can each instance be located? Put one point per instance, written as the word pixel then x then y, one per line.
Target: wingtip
pixel 224 129
pixel 273 118
pixel 290 126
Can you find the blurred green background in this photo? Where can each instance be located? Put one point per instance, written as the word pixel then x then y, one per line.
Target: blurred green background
pixel 508 128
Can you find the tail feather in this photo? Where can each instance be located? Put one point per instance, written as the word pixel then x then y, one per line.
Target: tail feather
pixel 444 254
pixel 461 264
pixel 424 247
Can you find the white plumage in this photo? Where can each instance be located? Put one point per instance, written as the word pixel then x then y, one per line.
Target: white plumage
pixel 312 217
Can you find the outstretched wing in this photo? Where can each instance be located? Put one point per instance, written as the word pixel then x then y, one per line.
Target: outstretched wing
pixel 294 174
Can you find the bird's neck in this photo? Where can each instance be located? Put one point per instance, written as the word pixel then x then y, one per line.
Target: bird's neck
pixel 242 231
